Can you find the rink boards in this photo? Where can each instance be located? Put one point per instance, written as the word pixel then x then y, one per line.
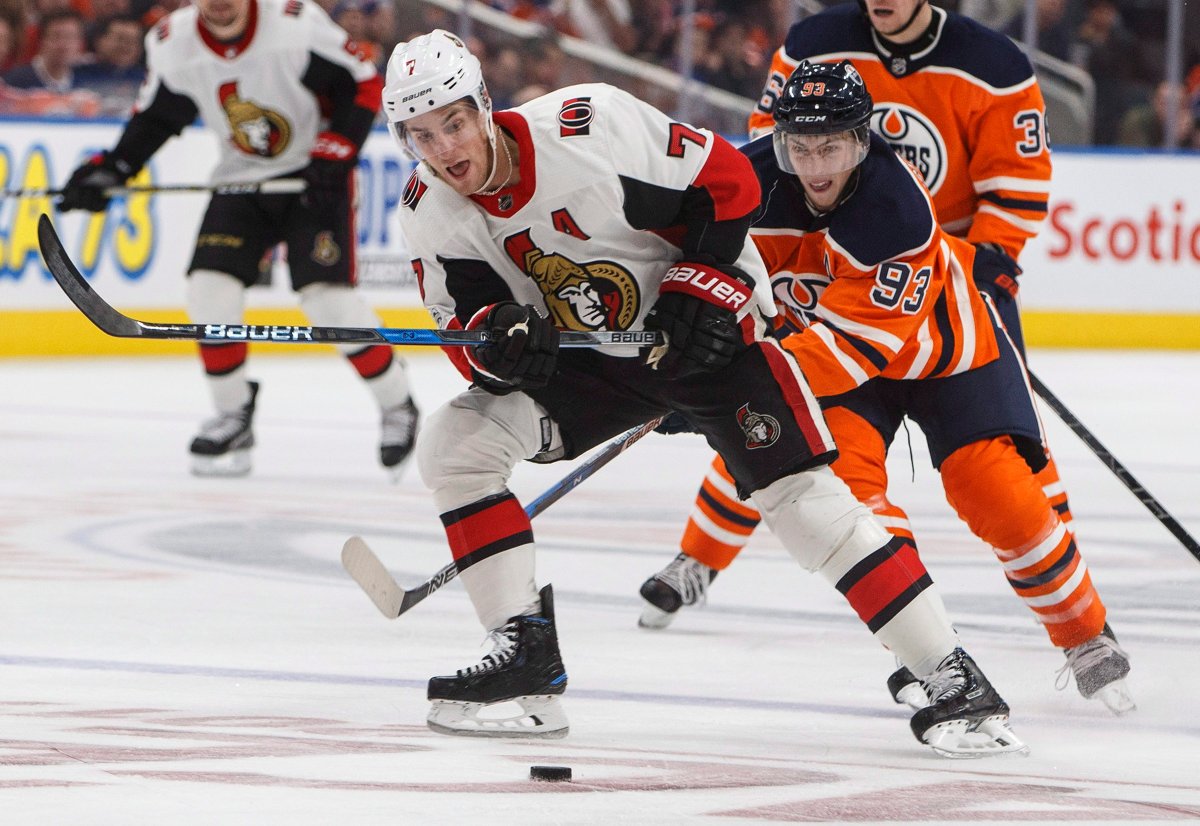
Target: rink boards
pixel 1117 263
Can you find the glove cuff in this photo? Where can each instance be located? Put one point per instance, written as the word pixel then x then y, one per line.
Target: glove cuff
pixel 479 321
pixel 330 146
pixel 707 283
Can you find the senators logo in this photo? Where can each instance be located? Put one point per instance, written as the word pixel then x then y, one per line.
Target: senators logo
pixel 597 295
pixel 915 139
pixel 253 129
pixel 575 117
pixel 761 430
pixel 414 191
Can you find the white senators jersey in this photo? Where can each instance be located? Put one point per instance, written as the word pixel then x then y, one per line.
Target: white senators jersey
pixel 267 95
pixel 612 192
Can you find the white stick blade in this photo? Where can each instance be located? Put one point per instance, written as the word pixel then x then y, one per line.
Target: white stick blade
pixel 370 574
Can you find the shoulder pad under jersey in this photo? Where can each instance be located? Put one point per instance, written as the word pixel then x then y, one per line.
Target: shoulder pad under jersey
pixel 888 215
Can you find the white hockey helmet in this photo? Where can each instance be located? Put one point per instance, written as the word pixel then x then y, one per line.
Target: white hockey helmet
pixel 427 73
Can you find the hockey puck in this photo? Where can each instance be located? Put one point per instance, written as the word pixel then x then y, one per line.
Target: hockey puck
pixel 550 773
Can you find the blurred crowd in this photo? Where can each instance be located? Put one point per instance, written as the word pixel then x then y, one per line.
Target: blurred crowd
pixel 85 57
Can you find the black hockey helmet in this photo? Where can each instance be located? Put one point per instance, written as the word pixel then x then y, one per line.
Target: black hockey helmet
pixel 822 99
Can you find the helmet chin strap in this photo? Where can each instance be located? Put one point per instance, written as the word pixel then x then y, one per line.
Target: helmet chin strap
pixel 483 190
pixel 916 10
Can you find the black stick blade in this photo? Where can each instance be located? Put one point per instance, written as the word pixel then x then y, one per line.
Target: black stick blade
pixel 76 287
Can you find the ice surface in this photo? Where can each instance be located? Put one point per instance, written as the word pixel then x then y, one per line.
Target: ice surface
pixel 189 651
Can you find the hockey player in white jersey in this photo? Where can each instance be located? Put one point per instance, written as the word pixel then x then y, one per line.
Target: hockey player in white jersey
pixel 289 96
pixel 587 209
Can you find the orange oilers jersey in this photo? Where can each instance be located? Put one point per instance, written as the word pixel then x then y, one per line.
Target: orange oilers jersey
pixel 964 109
pixel 874 287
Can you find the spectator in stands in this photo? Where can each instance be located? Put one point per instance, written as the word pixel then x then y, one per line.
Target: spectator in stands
pixel 382 26
pixel 607 23
pixel 11 30
pixel 117 71
pixel 505 75
pixel 1054 33
pixel 355 17
pixel 1145 125
pixel 60 45
pixel 544 61
pixel 1110 53
pixel 732 61
pixel 656 26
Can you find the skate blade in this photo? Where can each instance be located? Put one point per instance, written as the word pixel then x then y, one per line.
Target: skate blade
pixel 1116 697
pixel 959 739
pixel 233 463
pixel 654 617
pixel 913 696
pixel 540 716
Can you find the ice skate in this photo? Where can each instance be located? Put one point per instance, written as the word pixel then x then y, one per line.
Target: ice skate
pixel 906 689
pixel 965 717
pixel 222 447
pixel 683 582
pixel 1100 666
pixel 513 691
pixel 398 434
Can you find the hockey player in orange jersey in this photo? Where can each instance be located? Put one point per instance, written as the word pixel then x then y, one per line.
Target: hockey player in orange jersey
pixel 880 310
pixel 961 104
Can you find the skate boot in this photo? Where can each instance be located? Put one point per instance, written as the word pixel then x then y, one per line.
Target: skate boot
pixel 523 670
pixel 965 716
pixel 398 434
pixel 683 582
pixel 222 447
pixel 906 689
pixel 1100 666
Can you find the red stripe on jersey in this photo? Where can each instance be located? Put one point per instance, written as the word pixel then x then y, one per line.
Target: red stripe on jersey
pixel 482 527
pixel 782 368
pixel 370 93
pixel 730 181
pixel 220 359
pixel 372 361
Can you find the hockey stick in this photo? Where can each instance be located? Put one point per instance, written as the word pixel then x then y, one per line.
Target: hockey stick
pixel 1119 470
pixel 278 186
pixel 115 323
pixel 392 600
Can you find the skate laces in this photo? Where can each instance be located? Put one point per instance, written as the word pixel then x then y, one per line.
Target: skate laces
pixel 948 681
pixel 224 425
pixel 504 646
pixel 1086 656
pixel 399 424
pixel 688 577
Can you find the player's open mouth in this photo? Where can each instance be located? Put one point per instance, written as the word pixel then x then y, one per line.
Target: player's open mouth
pixel 819 186
pixel 458 171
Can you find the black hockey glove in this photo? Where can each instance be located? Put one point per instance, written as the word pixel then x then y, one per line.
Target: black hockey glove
pixel 995 272
pixel 85 188
pixel 697 310
pixel 522 353
pixel 328 174
pixel 674 423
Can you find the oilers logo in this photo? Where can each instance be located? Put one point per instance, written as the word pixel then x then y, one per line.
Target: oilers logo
pixel 915 139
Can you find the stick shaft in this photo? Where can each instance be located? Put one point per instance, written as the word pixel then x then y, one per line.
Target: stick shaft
pixel 1119 470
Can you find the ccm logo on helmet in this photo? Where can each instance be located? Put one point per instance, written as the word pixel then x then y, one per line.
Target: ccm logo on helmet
pixel 714 286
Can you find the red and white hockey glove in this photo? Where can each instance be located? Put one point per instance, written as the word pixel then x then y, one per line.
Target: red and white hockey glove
pixel 995 272
pixel 334 158
pixel 697 310
pixel 523 351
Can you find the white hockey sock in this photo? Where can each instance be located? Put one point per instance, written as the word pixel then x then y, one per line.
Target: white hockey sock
pixel 335 305
pixel 218 298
